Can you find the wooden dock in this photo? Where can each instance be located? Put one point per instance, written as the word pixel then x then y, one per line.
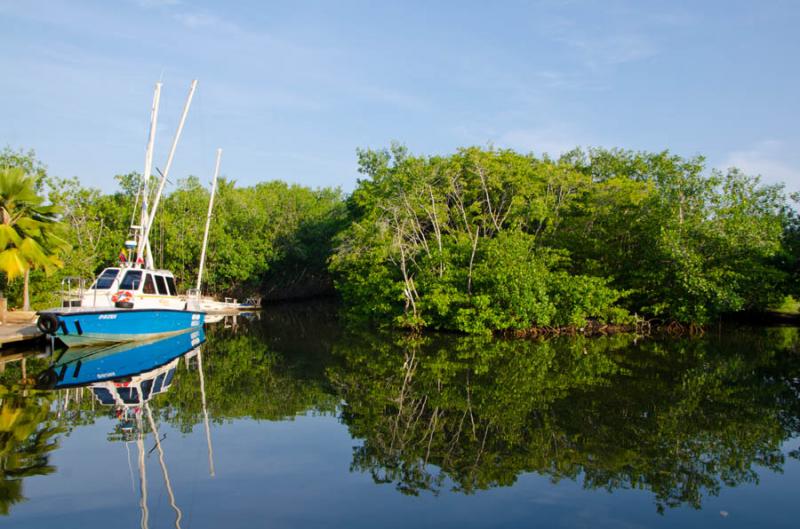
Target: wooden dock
pixel 18 326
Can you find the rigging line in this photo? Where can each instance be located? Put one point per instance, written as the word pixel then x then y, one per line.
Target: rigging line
pixel 162 176
pixel 154 446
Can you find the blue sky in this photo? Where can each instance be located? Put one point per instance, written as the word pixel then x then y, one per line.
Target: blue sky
pixel 290 90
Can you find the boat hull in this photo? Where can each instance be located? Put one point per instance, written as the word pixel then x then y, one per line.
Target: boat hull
pixel 89 327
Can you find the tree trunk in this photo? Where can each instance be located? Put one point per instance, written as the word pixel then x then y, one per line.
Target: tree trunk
pixel 26 302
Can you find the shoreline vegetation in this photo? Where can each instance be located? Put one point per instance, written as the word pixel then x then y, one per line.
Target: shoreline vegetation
pixel 481 241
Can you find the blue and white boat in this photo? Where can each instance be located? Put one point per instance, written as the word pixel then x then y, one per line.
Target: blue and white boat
pixel 132 301
pixel 76 327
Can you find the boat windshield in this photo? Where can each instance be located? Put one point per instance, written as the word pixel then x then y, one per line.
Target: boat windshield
pixel 147 385
pixel 159 381
pixel 162 285
pixel 106 279
pixel 128 395
pixel 149 286
pixel 171 284
pixel 104 395
pixel 132 280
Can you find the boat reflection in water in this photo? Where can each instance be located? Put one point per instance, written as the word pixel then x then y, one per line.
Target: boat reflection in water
pixel 127 376
pixel 88 365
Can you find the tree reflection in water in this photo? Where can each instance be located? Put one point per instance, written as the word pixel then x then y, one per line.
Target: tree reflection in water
pixel 27 437
pixel 680 418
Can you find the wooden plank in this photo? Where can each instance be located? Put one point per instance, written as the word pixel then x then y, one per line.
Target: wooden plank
pixel 18 332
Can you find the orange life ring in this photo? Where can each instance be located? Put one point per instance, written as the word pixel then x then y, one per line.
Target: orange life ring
pixel 122 295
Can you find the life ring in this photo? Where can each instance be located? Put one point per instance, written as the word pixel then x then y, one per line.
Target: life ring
pixel 122 296
pixel 47 323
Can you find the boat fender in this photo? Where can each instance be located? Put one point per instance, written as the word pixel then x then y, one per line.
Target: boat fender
pixel 47 379
pixel 123 305
pixel 47 323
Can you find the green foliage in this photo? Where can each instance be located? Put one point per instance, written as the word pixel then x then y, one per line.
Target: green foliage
pixel 28 228
pixel 27 161
pixel 487 240
pixel 30 234
pixel 479 241
pixel 272 239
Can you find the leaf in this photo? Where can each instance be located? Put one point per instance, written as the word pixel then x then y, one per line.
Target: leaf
pixel 8 235
pixel 12 264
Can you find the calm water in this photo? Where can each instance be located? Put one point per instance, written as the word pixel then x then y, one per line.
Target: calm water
pixel 288 421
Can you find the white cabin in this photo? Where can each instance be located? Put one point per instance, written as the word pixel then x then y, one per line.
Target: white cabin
pixel 145 288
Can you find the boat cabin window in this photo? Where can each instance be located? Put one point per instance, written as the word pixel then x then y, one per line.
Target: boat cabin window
pixel 131 281
pixel 106 279
pixel 103 395
pixel 128 395
pixel 149 286
pixel 162 285
pixel 170 374
pixel 146 387
pixel 171 284
pixel 158 382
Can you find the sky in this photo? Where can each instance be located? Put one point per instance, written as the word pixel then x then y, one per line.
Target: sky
pixel 290 90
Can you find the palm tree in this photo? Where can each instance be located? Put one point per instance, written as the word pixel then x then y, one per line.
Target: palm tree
pixel 29 230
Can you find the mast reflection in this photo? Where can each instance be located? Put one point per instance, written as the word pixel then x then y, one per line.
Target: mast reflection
pixel 127 377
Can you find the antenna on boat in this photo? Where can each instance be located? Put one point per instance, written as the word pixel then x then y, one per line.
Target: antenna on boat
pixel 145 240
pixel 208 222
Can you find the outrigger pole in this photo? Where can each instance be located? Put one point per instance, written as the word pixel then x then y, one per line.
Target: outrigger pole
pixel 145 240
pixel 208 221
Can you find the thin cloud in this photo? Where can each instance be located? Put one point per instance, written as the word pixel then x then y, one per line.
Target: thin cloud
pixel 553 141
pixel 150 4
pixel 611 50
pixel 771 159
pixel 204 20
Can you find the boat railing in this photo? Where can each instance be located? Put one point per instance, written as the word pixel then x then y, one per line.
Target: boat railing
pixel 252 303
pixel 194 293
pixel 72 289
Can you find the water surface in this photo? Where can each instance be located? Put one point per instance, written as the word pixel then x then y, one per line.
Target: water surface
pixel 286 420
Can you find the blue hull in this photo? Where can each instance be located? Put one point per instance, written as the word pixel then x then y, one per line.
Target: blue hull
pixel 78 328
pixel 79 367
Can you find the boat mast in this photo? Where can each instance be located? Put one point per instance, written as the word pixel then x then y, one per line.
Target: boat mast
pixel 145 240
pixel 208 222
pixel 148 170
